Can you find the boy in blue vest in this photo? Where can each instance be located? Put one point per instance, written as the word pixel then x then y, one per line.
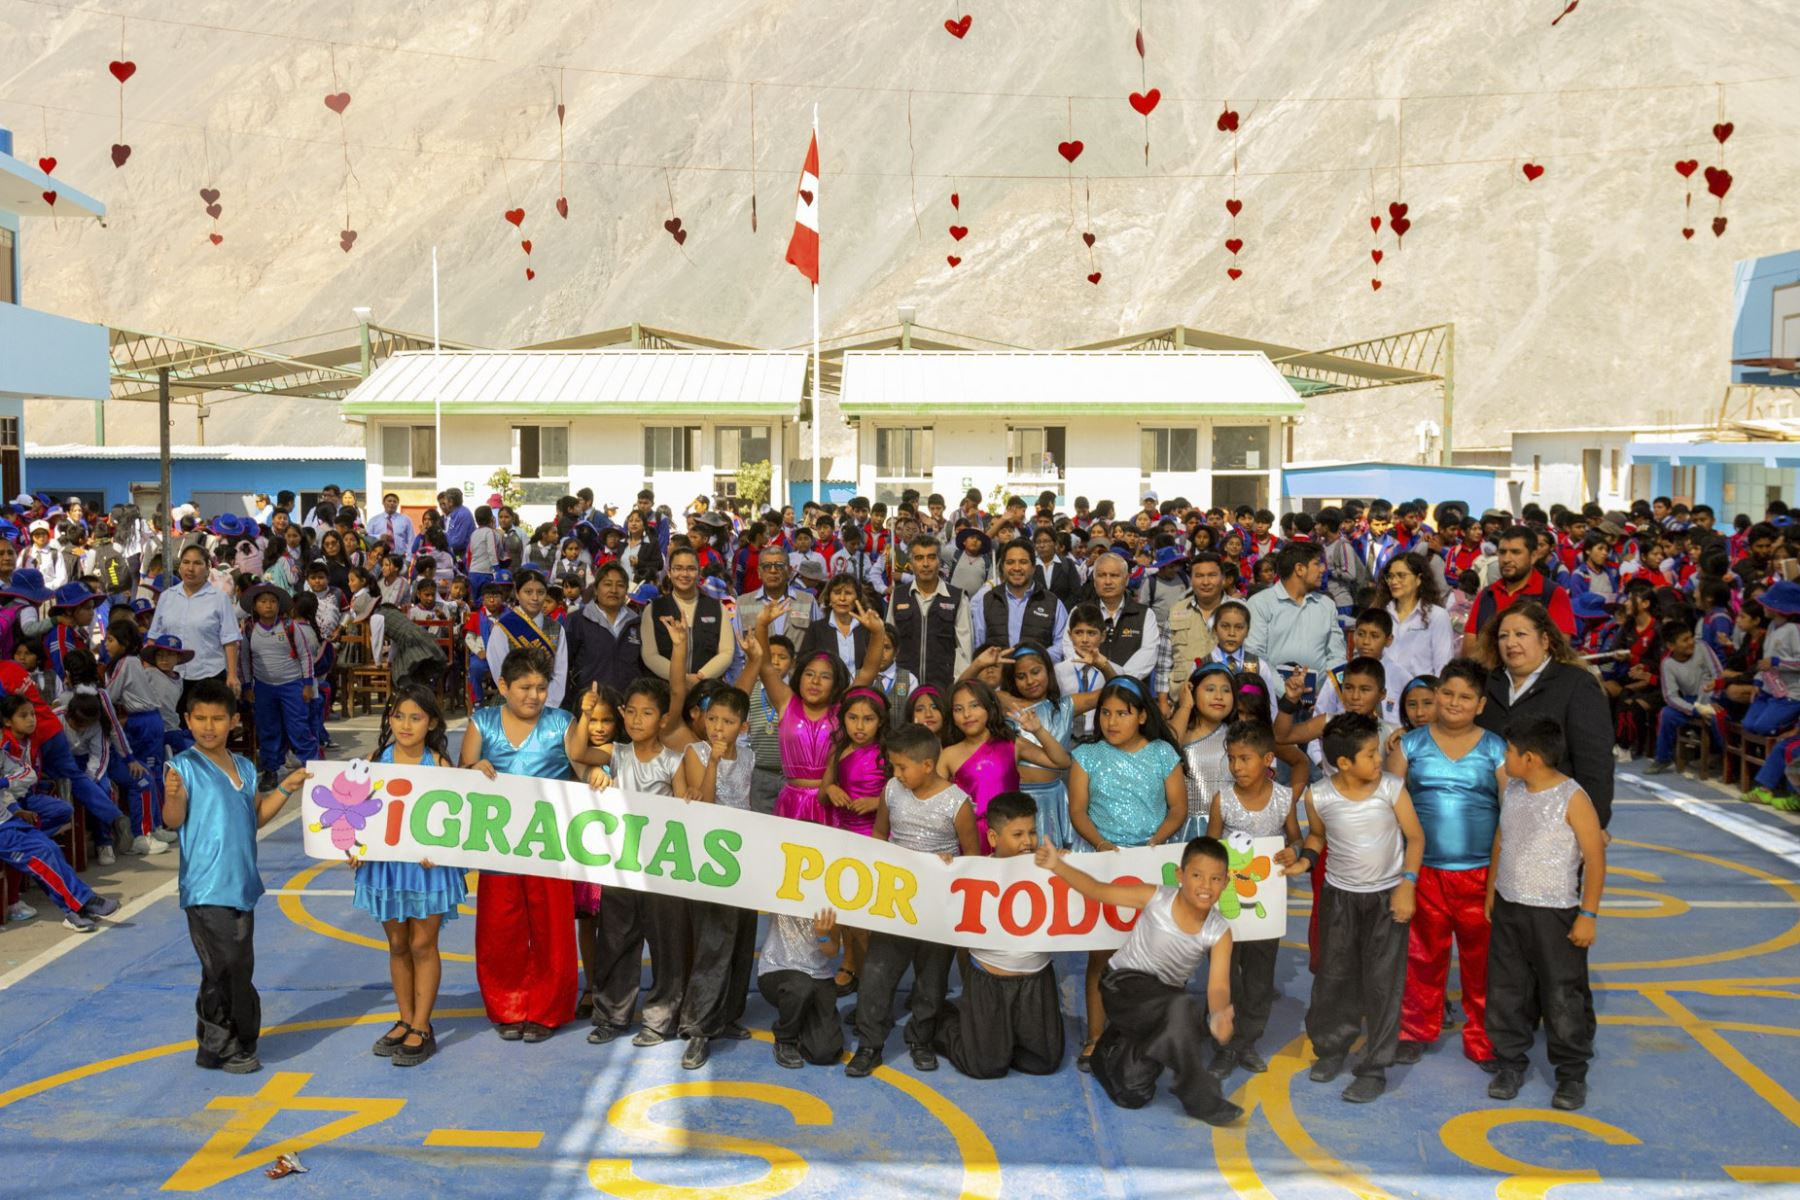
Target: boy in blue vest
pixel 210 799
pixel 480 627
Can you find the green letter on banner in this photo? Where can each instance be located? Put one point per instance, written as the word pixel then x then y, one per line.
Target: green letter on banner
pixel 609 824
pixel 452 803
pixel 722 846
pixel 488 816
pixel 541 838
pixel 673 852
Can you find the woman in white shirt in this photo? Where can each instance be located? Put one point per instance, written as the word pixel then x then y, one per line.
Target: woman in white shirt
pixel 1424 636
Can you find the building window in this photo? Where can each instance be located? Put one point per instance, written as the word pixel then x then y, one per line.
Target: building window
pixel 8 258
pixel 1036 452
pixel 1681 485
pixel 9 455
pixel 1537 472
pixel 1240 448
pixel 735 445
pixel 671 448
pixel 1229 491
pixel 903 459
pixel 541 451
pixel 1590 475
pixel 1171 450
pixel 408 452
pixel 1614 489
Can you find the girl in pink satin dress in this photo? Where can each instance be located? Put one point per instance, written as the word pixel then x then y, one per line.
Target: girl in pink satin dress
pixel 854 782
pixel 983 754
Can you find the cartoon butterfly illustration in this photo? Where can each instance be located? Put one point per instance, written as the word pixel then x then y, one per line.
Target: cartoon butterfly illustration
pixel 346 806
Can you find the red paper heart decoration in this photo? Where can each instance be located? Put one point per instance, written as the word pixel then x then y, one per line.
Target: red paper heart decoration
pixel 562 207
pixel 1718 226
pixel 337 102
pixel 47 165
pixel 210 195
pixel 1396 210
pixel 1094 277
pixel 1069 150
pixel 559 114
pixel 50 199
pixel 952 259
pixel 1400 225
pixel 1687 233
pixel 213 210
pixel 525 245
pixel 1089 239
pixel 956 201
pixel 806 195
pixel 1234 206
pixel 1376 255
pixel 1375 224
pixel 347 239
pixel 1375 284
pixel 120 154
pixel 1234 273
pixel 1228 121
pixel 215 238
pixel 530 274
pixel 1532 171
pixel 516 216
pixel 1234 244
pixel 958 29
pixel 1146 102
pixel 1139 43
pixel 1687 167
pixel 681 237
pixel 673 224
pixel 1718 181
pixel 1723 132
pixel 959 232
pixel 122 71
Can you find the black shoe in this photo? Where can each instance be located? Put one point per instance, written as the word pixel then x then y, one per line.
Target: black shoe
pixel 412 1056
pixel 1570 1095
pixel 1505 1084
pixel 788 1055
pixel 1489 1066
pixel 695 1056
pixel 1084 1062
pixel 863 1062
pixel 1407 1053
pixel 736 1032
pixel 510 1033
pixel 924 1058
pixel 1327 1068
pixel 100 906
pixel 1250 1060
pixel 536 1033
pixel 1449 1014
pixel 1365 1088
pixel 599 1035
pixel 208 1062
pixel 387 1043
pixel 1223 1063
pixel 848 987
pixel 1226 1114
pixel 245 1062
pixel 648 1037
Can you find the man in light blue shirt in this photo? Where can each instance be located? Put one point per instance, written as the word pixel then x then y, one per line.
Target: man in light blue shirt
pixel 392 526
pixel 1293 621
pixel 203 618
pixel 1028 604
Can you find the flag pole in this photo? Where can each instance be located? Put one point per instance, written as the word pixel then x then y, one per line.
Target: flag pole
pixel 818 400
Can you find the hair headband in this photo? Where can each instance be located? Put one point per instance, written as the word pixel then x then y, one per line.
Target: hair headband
pixel 1129 684
pixel 1209 668
pixel 856 693
pixel 1021 651
pixel 926 689
pixel 1428 682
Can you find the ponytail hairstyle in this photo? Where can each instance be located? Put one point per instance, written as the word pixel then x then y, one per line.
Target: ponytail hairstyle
pixel 81 668
pixel 437 734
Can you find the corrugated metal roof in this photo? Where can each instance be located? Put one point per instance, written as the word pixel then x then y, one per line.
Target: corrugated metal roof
pixel 1064 383
pixel 202 453
pixel 759 382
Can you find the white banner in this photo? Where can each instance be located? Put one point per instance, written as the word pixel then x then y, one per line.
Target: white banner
pixel 526 826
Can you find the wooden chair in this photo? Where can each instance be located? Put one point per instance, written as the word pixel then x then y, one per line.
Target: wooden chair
pixel 1695 741
pixel 72 838
pixel 367 682
pixel 1752 751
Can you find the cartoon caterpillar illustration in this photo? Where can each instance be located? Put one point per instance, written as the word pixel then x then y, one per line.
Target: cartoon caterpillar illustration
pixel 346 806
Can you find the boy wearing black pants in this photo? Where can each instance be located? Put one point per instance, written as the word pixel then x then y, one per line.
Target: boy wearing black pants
pixel 799 959
pixel 1544 886
pixel 1009 1016
pixel 1366 818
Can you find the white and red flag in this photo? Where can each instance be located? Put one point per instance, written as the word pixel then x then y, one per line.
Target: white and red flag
pixel 803 247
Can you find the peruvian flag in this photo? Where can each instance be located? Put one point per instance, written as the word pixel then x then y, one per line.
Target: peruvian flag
pixel 803 247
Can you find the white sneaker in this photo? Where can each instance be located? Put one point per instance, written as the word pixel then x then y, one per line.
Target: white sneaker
pixel 20 911
pixel 106 857
pixel 145 844
pixel 167 837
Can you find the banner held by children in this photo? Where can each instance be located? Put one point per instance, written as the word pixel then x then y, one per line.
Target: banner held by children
pixel 567 830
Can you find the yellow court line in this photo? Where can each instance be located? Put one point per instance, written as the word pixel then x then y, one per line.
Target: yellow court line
pixel 1640 1021
pixel 294 908
pixel 1270 1091
pixel 1764 1174
pixel 486 1139
pixel 1781 941
pixel 1753 1076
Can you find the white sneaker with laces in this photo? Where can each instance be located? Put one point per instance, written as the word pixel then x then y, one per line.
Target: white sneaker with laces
pixel 167 837
pixel 20 911
pixel 106 856
pixel 146 845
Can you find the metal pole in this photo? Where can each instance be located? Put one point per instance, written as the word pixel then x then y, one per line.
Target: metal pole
pixel 818 400
pixel 99 422
pixel 437 395
pixel 1449 394
pixel 168 503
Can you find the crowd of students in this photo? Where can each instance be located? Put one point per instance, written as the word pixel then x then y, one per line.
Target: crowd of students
pixel 1423 705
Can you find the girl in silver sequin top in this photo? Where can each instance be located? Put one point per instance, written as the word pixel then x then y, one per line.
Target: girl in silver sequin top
pixel 1199 722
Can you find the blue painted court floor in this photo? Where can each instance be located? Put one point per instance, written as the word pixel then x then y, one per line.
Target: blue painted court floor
pixel 1697 975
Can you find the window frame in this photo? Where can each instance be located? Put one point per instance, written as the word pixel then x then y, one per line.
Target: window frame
pixel 415 436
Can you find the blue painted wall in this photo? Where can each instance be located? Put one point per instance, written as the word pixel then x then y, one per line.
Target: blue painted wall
pixel 1391 481
pixel 835 491
pixel 1753 285
pixel 112 477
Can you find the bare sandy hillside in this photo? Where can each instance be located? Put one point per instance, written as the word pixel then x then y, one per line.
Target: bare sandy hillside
pixel 1576 299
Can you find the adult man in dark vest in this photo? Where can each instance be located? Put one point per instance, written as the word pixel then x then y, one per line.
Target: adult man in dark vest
pixel 1018 609
pixel 1132 638
pixel 931 620
pixel 711 642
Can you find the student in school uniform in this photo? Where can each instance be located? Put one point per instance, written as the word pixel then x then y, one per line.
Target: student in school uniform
pixel 27 817
pixel 277 667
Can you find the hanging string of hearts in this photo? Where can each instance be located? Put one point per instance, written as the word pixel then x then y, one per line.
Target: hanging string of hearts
pixel 209 196
pixel 1718 179
pixel 47 164
pixel 673 224
pixel 122 69
pixel 1375 254
pixel 1070 151
pixel 1144 102
pixel 1398 221
pixel 516 218
pixel 1685 168
pixel 562 188
pixel 957 232
pixel 1228 123
pixel 337 100
pixel 1087 235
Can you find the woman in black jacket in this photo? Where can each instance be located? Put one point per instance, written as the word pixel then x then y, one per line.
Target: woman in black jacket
pixel 1538 675
pixel 605 638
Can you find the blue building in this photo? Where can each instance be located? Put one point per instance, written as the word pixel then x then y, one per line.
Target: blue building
pixel 1309 487
pixel 219 479
pixel 42 356
pixel 1765 325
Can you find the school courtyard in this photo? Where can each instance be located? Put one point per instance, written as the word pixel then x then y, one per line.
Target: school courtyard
pixel 1693 1094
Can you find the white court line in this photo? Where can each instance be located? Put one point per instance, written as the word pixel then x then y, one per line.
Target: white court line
pixel 126 912
pixel 1778 842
